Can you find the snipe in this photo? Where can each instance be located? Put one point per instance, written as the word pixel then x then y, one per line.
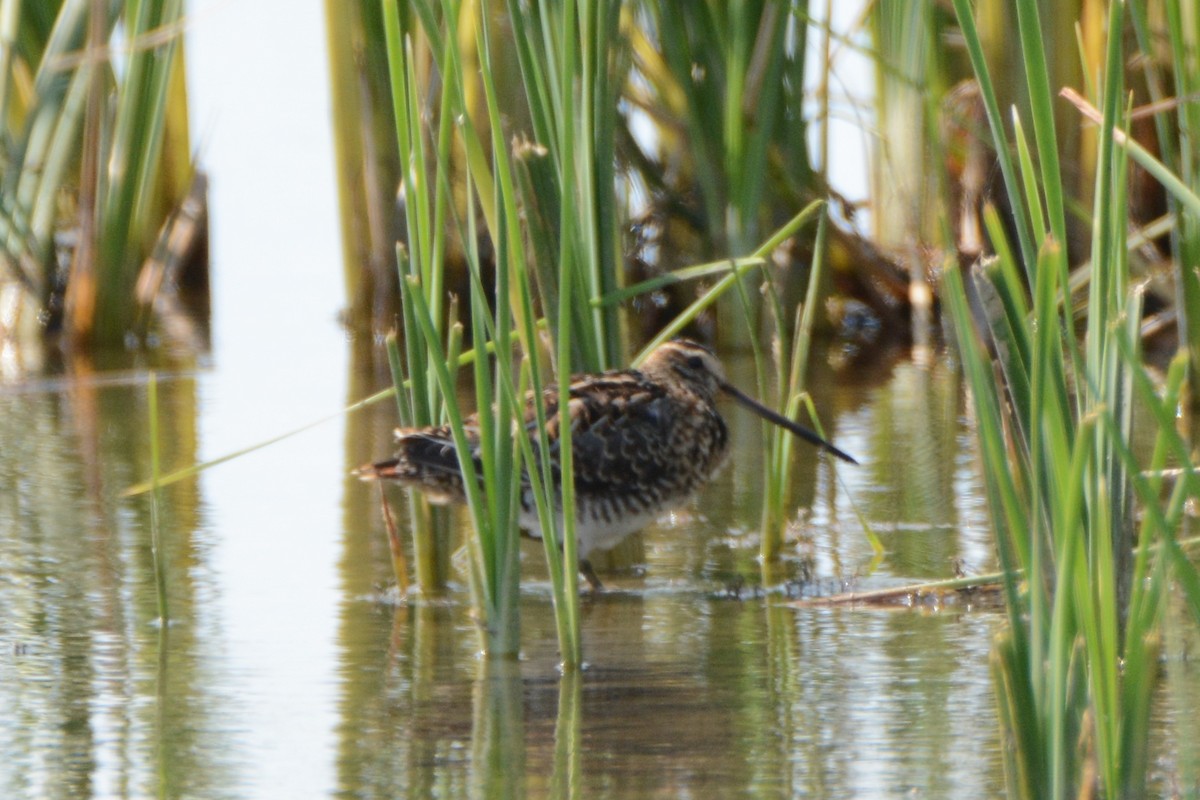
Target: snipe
pixel 644 442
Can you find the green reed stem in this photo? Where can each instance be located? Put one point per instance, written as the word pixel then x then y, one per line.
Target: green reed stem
pixel 194 469
pixel 779 462
pixel 1080 658
pixel 562 51
pixel 987 91
pixel 737 269
pixel 491 570
pixel 554 506
pixel 156 544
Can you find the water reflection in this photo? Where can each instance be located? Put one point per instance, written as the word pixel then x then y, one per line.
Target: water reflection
pixel 100 698
pixel 753 699
pixel 1175 726
pixel 700 681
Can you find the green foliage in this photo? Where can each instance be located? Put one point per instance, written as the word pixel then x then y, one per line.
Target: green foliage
pixel 731 78
pixel 1077 666
pixel 84 143
pixel 561 49
pixel 550 211
pixel 1172 77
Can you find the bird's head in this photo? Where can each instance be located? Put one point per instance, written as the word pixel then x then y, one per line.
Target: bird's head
pixel 682 361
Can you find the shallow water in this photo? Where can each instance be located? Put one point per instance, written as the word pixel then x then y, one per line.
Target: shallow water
pixel 289 666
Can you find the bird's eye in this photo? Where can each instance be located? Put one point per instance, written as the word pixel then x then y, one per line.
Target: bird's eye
pixel 695 362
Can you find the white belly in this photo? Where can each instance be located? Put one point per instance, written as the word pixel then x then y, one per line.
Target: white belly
pixel 596 534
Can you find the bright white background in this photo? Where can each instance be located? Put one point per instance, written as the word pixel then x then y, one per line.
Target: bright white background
pixel 260 112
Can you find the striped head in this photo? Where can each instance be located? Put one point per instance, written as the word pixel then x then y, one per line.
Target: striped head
pixel 687 364
pixel 692 367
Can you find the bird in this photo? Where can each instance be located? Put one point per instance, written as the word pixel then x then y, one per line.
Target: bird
pixel 644 442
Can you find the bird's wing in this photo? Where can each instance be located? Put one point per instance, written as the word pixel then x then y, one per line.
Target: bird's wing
pixel 621 427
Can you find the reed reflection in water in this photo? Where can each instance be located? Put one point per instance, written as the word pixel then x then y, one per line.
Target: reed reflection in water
pixel 698 681
pixel 276 673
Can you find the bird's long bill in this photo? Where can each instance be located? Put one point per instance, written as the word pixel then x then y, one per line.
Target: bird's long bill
pixel 783 422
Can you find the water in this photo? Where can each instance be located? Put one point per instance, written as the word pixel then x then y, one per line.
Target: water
pixel 289 667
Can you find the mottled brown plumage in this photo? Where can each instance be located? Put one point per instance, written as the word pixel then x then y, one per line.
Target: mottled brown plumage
pixel 644 442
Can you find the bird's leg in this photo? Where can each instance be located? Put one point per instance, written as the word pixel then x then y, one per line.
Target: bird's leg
pixel 399 562
pixel 589 574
